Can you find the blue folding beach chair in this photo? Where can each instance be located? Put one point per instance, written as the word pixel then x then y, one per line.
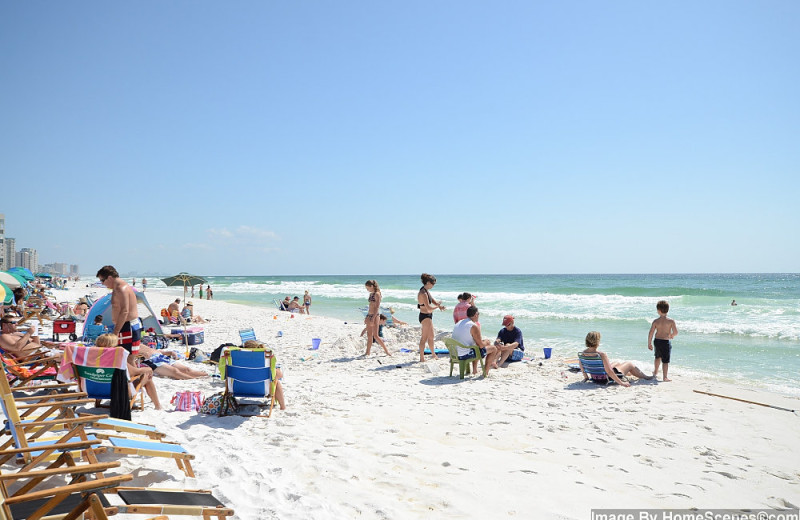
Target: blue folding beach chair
pixel 251 374
pixel 247 335
pixel 594 369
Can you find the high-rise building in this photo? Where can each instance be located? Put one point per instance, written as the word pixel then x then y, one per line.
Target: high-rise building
pixel 10 251
pixel 2 242
pixel 73 270
pixel 28 258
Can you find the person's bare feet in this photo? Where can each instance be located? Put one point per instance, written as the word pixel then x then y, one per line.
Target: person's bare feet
pixel 667 380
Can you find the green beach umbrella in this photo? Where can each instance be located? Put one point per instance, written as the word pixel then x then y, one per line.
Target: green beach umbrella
pixel 43 275
pixel 11 281
pixel 184 279
pixel 6 296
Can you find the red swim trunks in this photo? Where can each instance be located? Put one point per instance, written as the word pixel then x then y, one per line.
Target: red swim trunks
pixel 130 336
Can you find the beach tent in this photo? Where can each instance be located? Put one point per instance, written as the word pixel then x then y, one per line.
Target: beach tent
pixel 103 307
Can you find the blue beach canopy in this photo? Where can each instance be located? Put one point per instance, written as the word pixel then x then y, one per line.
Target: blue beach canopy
pixel 103 307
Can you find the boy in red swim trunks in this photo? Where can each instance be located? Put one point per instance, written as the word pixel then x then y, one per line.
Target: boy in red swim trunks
pixel 664 329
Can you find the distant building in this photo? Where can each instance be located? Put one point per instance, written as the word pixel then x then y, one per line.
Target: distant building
pixel 28 258
pixel 10 253
pixel 74 270
pixel 2 242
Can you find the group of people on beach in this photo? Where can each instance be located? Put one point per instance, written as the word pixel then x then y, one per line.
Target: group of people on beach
pixel 467 332
pixel 294 305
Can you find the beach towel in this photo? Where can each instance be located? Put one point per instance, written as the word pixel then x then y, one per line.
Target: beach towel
pixel 92 357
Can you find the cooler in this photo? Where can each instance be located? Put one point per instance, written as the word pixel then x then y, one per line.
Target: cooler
pixel 194 335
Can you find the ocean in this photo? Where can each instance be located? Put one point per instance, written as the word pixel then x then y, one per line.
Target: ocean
pixel 756 342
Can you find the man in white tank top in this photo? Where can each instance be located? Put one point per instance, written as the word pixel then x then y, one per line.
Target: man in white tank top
pixel 468 333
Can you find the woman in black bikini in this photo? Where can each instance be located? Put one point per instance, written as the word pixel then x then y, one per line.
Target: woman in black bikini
pixel 426 305
pixel 372 320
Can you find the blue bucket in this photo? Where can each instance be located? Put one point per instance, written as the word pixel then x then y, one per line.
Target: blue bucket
pixel 315 343
pixel 547 352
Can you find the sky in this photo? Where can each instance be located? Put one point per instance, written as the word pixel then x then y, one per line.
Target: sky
pixel 362 137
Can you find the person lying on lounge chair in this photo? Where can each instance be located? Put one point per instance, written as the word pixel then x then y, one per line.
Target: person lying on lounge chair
pixel 163 363
pixel 18 344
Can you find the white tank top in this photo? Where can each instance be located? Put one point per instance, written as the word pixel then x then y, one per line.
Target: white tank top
pixel 462 333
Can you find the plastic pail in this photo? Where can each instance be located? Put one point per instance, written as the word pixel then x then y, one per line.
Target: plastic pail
pixel 315 343
pixel 547 352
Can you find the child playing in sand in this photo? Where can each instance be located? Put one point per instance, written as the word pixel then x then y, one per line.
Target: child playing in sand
pixel 664 329
pixel 382 324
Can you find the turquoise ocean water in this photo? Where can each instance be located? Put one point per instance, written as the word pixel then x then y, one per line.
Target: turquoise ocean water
pixel 757 341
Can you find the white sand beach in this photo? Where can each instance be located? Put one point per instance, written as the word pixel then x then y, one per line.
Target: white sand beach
pixel 389 437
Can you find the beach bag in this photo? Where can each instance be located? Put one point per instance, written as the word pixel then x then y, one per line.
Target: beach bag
pixel 187 401
pixel 516 355
pixel 212 405
pixel 219 404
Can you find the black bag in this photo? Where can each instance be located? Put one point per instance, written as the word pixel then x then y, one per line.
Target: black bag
pixel 218 352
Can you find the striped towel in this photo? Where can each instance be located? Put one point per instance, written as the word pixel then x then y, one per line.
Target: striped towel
pixel 90 357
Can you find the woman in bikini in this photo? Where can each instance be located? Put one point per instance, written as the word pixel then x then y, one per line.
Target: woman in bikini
pixel 372 320
pixel 426 305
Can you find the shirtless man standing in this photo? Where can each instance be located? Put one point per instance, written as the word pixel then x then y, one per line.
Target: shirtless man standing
pixel 124 312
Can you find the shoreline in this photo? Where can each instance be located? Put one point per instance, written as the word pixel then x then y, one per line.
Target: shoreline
pixel 389 437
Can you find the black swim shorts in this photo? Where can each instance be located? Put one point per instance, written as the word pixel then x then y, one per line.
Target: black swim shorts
pixel 425 316
pixel 663 349
pixel 471 355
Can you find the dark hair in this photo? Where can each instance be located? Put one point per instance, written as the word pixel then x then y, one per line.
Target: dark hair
pixel 99 318
pixel 372 283
pixel 472 311
pixel 427 278
pixel 382 317
pixel 106 271
pixel 464 296
pixel 663 306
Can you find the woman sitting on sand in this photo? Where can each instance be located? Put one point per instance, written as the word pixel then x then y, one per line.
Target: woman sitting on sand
pixel 614 369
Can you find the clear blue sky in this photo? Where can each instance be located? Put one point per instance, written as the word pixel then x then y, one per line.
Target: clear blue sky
pixel 271 137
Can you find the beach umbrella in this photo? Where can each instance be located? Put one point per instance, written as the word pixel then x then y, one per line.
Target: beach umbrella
pixel 12 281
pixel 43 275
pixel 24 272
pixel 184 279
pixel 6 296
